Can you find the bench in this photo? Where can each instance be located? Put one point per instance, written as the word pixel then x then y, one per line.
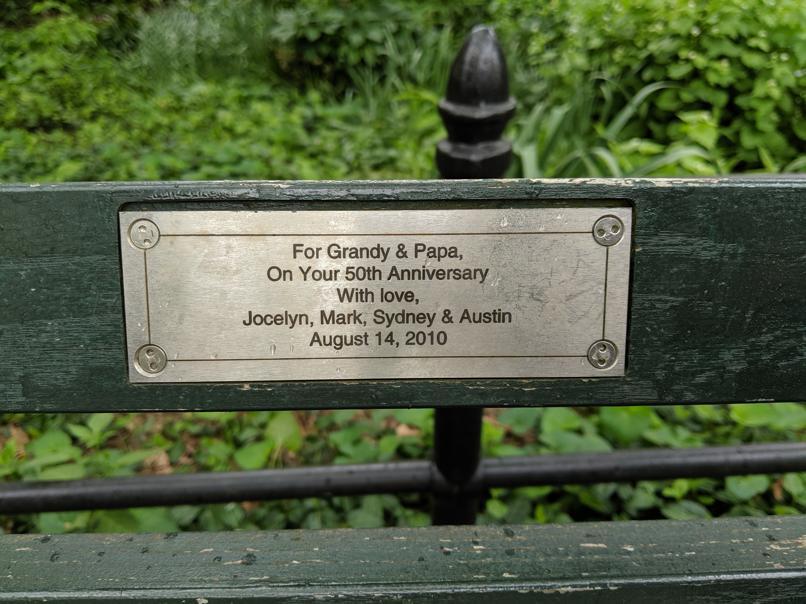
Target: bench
pixel 717 270
pixel 584 292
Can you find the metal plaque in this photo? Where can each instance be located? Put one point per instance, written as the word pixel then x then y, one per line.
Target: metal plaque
pixel 248 296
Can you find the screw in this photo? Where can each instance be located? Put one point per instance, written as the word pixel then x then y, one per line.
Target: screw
pixel 144 234
pixel 151 358
pixel 602 354
pixel 608 230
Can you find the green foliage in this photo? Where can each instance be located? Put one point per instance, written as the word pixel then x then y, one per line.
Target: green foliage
pixel 563 430
pixel 324 42
pixel 738 67
pixel 584 138
pixel 233 130
pixel 65 92
pixel 64 447
pixel 117 20
pixel 188 40
pixel 42 448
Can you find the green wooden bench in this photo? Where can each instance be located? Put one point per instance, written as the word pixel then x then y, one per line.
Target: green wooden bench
pixel 717 280
pixel 223 295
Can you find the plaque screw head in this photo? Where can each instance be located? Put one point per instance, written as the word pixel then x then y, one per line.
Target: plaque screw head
pixel 602 354
pixel 151 358
pixel 608 230
pixel 144 234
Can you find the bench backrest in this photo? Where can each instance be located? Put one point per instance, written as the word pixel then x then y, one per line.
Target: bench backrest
pixel 714 304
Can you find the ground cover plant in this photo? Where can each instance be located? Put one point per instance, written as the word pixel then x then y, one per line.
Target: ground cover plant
pixel 207 89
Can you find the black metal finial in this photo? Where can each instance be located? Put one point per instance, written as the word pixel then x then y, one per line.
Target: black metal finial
pixel 475 110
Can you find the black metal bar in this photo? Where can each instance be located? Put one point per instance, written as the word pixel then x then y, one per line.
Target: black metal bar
pixel 457 453
pixel 475 111
pixel 643 464
pixel 216 487
pixel 400 477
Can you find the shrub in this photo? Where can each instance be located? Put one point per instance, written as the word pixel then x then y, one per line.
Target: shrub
pixel 739 67
pixel 117 20
pixel 309 42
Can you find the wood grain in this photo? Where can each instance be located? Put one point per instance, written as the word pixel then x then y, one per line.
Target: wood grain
pixel 717 302
pixel 729 560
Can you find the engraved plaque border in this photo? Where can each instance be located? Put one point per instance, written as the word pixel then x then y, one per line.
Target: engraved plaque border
pixel 577 221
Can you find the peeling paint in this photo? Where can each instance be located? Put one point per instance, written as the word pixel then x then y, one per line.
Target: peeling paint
pixel 571 589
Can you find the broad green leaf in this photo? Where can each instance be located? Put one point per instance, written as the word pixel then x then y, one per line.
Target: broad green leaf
pixel 520 420
pixel 642 497
pixel 82 433
pixel 284 431
pixel 52 441
pixel 753 414
pixel 154 520
pixel 116 521
pixel 786 510
pixel 368 515
pixel 685 510
pixel 387 446
pixel 744 488
pixel 701 127
pixel 185 514
pixel 491 435
pixel 778 416
pixel 626 424
pixel 68 471
pixel 534 492
pixel 559 418
pixel 596 497
pixel 673 436
pixel 414 518
pixel 62 522
pixel 794 484
pixel 98 422
pixel 496 508
pixel 571 442
pixel 50 459
pixel 418 418
pixel 134 458
pixel 678 489
pixel 253 456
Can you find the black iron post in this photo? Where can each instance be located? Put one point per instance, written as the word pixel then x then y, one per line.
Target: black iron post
pixel 475 111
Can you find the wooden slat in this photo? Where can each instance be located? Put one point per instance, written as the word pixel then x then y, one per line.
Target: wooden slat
pixel 731 560
pixel 717 301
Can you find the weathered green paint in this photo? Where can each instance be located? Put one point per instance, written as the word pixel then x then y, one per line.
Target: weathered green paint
pixel 731 560
pixel 719 283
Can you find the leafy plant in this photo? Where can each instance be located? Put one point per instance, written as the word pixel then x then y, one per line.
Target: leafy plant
pixel 737 64
pixel 572 139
